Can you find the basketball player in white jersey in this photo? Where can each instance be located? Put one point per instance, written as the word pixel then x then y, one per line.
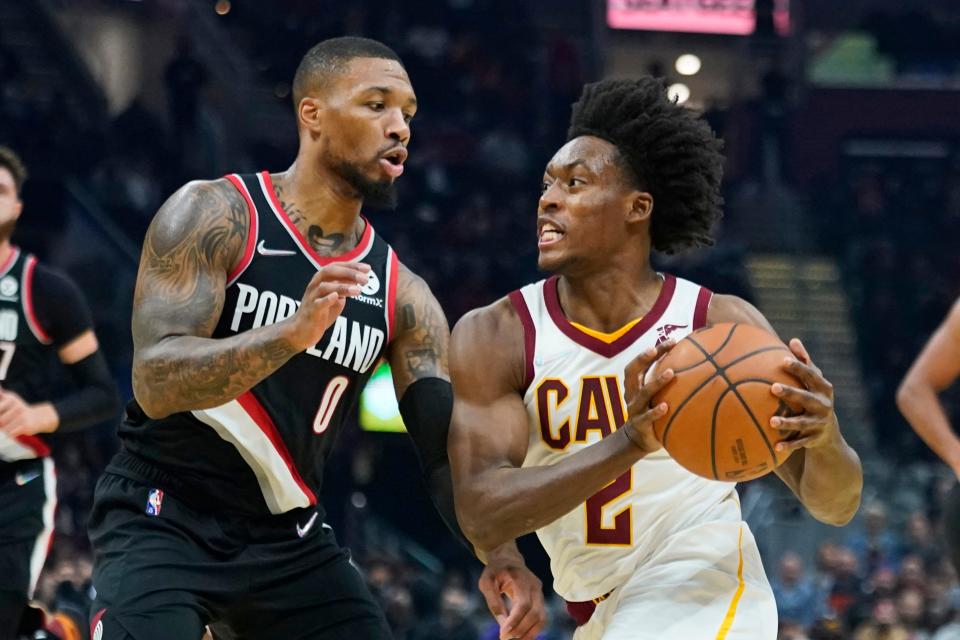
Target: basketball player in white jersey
pixel 551 426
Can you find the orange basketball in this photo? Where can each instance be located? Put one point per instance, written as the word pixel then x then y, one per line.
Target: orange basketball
pixel 718 422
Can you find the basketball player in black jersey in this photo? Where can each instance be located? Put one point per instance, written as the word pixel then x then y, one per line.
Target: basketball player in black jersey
pixel 263 304
pixel 44 324
pixel 637 173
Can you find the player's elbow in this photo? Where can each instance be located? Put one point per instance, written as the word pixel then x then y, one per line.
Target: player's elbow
pixel 153 410
pixel 152 406
pixel 839 518
pixel 906 392
pixel 843 509
pixel 483 534
pixel 480 525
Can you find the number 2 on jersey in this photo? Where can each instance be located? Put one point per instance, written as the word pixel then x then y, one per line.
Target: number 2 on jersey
pixel 621 534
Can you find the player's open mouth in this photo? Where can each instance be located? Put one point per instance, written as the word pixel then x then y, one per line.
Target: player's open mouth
pixel 549 233
pixel 392 162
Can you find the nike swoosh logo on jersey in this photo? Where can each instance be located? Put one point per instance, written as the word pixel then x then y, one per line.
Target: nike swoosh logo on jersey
pixel 22 478
pixel 302 531
pixel 540 360
pixel 262 250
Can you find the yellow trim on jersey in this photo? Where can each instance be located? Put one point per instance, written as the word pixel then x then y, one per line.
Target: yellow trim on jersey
pixel 607 337
pixel 732 610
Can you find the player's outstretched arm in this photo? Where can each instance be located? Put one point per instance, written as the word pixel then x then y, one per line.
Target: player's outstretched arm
pixel 936 368
pixel 195 240
pixel 496 499
pixel 418 360
pixel 823 470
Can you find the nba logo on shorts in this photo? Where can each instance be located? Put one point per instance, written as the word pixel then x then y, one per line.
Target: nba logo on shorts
pixel 154 502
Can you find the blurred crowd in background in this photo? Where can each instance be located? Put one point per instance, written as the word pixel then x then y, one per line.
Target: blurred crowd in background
pixel 495 91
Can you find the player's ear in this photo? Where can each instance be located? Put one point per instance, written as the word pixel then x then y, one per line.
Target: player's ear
pixel 17 208
pixel 641 206
pixel 310 114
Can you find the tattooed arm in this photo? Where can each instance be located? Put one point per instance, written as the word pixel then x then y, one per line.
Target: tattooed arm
pixel 195 240
pixel 419 348
pixel 418 359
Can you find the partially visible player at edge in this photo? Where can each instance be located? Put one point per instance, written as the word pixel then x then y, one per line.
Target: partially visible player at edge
pixel 44 324
pixel 936 369
pixel 541 438
pixel 263 303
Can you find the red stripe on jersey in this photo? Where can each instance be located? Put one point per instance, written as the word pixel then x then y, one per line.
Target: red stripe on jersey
pixel 366 240
pixel 251 232
pixel 700 310
pixel 95 621
pixel 35 444
pixel 607 349
pixel 14 254
pixel 529 335
pixel 263 420
pixel 392 277
pixel 27 293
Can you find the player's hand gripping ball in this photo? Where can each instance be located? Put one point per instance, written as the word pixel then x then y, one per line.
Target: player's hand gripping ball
pixel 718 424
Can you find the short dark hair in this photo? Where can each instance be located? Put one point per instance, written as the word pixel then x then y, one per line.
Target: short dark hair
pixel 331 57
pixel 669 151
pixel 10 161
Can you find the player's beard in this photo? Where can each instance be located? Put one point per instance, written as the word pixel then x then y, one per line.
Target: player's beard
pixel 6 229
pixel 379 194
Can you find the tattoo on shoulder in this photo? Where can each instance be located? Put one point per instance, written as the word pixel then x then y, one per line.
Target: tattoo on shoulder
pixel 425 332
pixel 195 239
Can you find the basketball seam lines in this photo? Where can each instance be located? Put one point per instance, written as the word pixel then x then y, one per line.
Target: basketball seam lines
pixel 718 369
pixel 663 439
pixel 721 371
pixel 713 432
pixel 719 349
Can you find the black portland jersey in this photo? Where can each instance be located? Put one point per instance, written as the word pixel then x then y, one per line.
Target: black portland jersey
pixel 27 353
pixel 265 450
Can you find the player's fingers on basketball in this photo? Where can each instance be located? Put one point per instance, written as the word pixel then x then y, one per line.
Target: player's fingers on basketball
pixel 796 345
pixel 636 367
pixel 646 392
pixel 795 443
pixel 642 362
pixel 808 374
pixel 795 423
pixel 801 398
pixel 641 421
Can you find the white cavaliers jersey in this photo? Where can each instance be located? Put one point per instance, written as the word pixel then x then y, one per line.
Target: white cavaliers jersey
pixel 574 397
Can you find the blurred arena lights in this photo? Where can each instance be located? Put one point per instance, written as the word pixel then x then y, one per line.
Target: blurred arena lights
pixel 222 7
pixel 687 64
pixel 679 92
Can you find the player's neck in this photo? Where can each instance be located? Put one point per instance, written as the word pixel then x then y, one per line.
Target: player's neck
pixel 607 300
pixel 327 216
pixel 5 249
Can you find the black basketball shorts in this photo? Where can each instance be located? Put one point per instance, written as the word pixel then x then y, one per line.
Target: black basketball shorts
pixel 164 569
pixel 28 500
